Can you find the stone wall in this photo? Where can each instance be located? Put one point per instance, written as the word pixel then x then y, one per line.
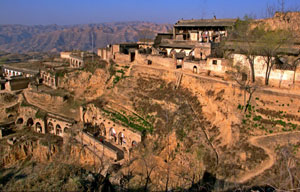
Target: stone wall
pixel 212 66
pixel 155 60
pixel 96 146
pixel 278 78
pixel 122 57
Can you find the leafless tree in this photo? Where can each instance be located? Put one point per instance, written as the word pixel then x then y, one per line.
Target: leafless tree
pixel 239 74
pixel 243 40
pixel 269 45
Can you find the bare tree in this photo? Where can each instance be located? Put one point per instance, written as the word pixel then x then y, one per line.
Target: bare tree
pixel 269 45
pixel 239 74
pixel 243 40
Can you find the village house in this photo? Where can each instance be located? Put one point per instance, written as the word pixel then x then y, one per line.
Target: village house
pixel 122 52
pixel 76 59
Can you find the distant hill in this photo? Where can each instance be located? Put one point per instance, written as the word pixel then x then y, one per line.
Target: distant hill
pixel 55 38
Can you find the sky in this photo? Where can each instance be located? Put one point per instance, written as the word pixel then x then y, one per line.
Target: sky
pixel 66 12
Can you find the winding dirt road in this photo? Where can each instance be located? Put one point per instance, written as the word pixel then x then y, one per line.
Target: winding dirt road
pixel 268 143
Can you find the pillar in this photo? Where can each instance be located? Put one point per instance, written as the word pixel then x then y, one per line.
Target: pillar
pixel 210 35
pixel 200 36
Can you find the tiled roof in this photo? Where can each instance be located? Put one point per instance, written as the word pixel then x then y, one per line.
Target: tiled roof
pixel 206 23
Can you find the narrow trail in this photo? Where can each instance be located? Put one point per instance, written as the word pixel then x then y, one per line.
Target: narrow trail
pixel 283 138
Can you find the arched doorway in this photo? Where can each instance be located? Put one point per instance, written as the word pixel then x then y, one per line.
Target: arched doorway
pixel 20 121
pixel 121 138
pixel 112 134
pixel 29 122
pixel 38 127
pixel 50 128
pixel 58 130
pixel 10 116
pixel 66 130
pixel 102 129
pixel 194 69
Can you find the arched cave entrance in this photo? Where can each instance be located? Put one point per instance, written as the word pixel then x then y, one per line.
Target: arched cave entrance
pixel 121 138
pixel 29 122
pixel 66 130
pixel 112 134
pixel 38 127
pixel 20 121
pixel 195 69
pixel 58 130
pixel 50 128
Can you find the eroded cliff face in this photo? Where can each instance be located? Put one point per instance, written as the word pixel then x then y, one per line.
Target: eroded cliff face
pixel 85 84
pixel 202 106
pixel 21 147
pixel 287 21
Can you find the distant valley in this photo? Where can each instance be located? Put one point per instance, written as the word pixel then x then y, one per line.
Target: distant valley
pixel 55 38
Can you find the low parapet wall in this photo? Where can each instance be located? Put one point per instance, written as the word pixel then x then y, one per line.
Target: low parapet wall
pixel 98 147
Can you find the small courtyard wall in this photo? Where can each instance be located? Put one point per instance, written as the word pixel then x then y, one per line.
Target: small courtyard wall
pixel 155 60
pixel 213 66
pixel 278 78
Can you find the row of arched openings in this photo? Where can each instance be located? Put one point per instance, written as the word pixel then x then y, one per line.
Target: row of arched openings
pixel 38 127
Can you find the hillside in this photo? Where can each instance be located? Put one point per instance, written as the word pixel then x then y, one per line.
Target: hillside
pixel 54 38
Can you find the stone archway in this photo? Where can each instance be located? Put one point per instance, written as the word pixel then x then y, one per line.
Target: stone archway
pixel 113 134
pixel 50 128
pixel 38 127
pixel 20 120
pixel 58 130
pixel 29 122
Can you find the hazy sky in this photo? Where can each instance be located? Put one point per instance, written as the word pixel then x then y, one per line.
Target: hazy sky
pixel 31 12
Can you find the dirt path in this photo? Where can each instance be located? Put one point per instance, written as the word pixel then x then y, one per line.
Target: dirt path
pixel 268 143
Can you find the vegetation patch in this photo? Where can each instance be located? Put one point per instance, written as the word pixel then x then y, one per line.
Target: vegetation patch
pixel 134 121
